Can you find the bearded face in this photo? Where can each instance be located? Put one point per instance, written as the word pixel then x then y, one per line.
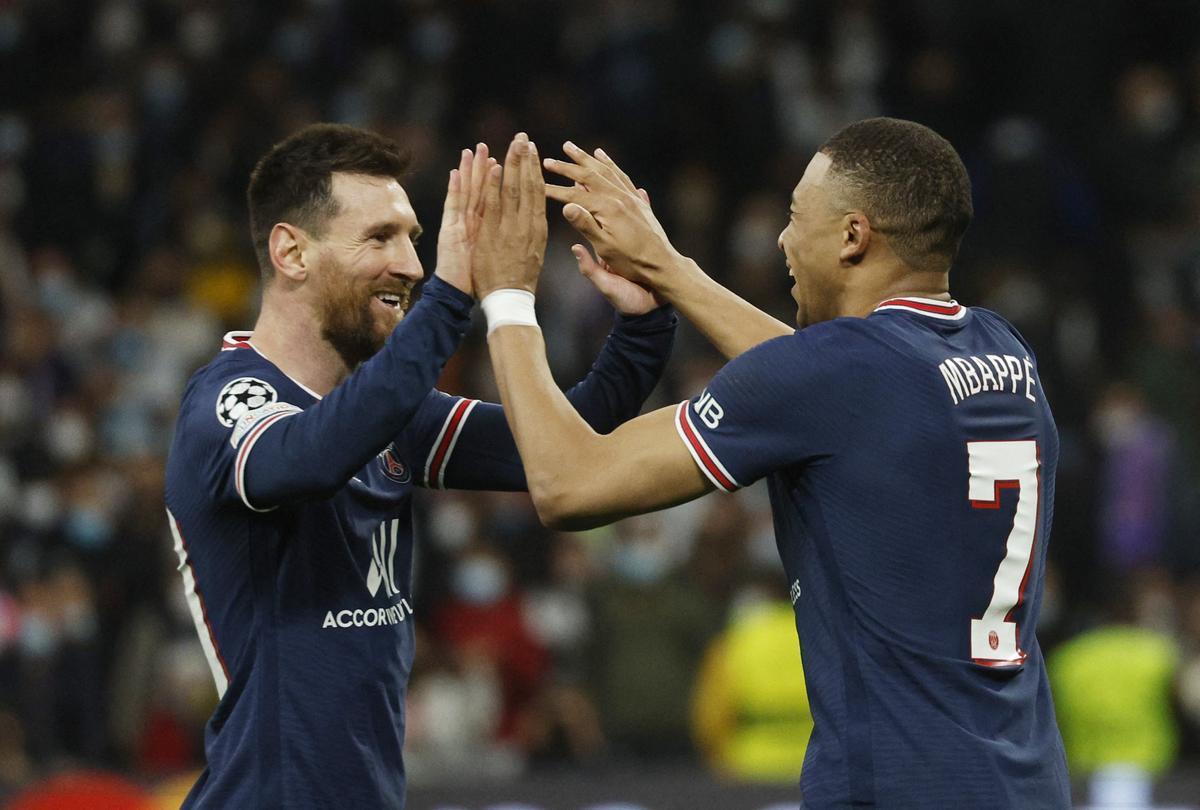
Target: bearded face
pixel 364 265
pixel 355 318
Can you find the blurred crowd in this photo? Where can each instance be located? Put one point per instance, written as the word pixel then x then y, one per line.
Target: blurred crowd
pixel 127 132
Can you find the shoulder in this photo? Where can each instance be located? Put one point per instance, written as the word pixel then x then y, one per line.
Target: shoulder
pixel 994 319
pixel 232 392
pixel 1000 323
pixel 800 347
pixel 817 349
pixel 807 365
pixel 235 382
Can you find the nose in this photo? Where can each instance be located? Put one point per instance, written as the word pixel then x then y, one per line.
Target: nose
pixel 405 263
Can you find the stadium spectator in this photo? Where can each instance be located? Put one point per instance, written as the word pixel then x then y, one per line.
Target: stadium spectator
pixel 750 712
pixel 483 626
pixel 651 629
pixel 1114 688
pixel 127 130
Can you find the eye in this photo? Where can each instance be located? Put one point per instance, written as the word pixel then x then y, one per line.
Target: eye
pixel 416 239
pixel 381 238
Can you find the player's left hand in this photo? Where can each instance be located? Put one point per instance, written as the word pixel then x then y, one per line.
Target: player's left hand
pixel 625 296
pixel 512 237
pixel 462 216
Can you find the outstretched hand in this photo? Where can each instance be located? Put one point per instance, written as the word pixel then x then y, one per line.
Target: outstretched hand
pixel 512 236
pixel 462 217
pixel 613 214
pixel 627 297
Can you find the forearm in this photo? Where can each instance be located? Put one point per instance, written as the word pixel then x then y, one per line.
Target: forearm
pixel 314 453
pixel 731 323
pixel 554 441
pixel 624 374
pixel 579 479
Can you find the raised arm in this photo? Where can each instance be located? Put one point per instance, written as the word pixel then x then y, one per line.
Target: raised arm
pixel 484 454
pixel 616 218
pixel 288 455
pixel 577 477
pixel 313 453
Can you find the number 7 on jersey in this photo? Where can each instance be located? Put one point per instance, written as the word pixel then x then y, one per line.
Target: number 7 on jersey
pixel 995 466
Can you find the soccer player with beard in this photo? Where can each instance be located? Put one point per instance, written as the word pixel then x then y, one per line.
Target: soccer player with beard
pixel 907 441
pixel 291 474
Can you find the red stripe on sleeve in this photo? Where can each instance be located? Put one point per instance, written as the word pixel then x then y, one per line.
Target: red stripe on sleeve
pixel 443 449
pixel 702 453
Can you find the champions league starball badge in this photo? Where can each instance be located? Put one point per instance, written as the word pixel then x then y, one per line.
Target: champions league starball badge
pixel 241 396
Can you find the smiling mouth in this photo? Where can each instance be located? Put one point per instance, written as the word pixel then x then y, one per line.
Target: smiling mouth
pixel 392 300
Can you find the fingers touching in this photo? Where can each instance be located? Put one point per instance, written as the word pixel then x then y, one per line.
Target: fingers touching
pixel 464 192
pixel 473 180
pixel 510 191
pixel 491 201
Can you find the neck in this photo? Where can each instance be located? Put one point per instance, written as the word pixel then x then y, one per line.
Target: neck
pixel 286 334
pixel 865 292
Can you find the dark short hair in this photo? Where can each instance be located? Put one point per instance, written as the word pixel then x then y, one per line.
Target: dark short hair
pixel 909 181
pixel 293 182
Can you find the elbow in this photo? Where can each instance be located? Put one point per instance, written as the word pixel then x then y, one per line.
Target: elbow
pixel 560 506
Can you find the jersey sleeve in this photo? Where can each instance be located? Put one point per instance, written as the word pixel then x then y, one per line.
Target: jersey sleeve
pixel 289 456
pixel 462 443
pixel 766 410
pixel 222 415
pixel 626 370
pixel 467 444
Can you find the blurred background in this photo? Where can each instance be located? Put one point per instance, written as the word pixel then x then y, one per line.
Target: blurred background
pixel 656 655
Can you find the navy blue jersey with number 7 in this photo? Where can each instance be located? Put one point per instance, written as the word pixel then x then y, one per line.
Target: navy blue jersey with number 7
pixel 911 458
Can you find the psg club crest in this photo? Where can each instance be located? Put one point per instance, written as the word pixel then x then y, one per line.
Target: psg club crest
pixel 241 396
pixel 393 467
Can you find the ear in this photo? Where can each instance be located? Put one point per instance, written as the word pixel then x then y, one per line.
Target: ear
pixel 856 237
pixel 287 245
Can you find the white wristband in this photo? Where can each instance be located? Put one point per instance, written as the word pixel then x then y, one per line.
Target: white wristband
pixel 508 308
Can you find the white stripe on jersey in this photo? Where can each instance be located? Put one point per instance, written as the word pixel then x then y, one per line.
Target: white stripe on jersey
pixel 243 455
pixel 196 607
pixel 465 406
pixel 701 451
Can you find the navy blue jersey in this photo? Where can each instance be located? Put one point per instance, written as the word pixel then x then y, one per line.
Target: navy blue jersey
pixel 292 521
pixel 910 458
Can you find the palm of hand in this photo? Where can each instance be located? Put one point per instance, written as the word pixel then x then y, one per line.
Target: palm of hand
pixel 461 217
pixel 456 244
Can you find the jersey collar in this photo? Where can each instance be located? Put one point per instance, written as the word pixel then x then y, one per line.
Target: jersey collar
pixel 236 340
pixel 241 340
pixel 942 310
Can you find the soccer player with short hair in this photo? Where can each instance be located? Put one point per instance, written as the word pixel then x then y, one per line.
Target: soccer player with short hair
pixel 907 441
pixel 297 449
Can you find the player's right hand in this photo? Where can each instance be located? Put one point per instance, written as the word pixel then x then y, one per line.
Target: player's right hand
pixel 614 215
pixel 462 216
pixel 512 237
